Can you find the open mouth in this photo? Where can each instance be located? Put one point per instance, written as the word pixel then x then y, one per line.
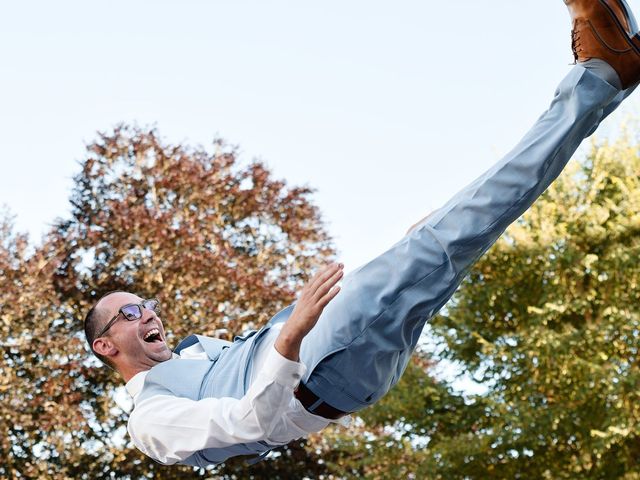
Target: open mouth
pixel 153 336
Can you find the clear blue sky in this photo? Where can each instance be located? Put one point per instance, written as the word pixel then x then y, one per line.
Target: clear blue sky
pixel 387 108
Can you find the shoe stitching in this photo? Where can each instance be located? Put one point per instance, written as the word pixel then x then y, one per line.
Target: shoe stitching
pixel 620 26
pixel 604 43
pixel 629 16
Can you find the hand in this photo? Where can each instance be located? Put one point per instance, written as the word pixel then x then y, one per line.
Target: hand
pixel 314 297
pixel 320 290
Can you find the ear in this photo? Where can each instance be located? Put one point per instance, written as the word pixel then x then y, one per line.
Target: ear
pixel 104 346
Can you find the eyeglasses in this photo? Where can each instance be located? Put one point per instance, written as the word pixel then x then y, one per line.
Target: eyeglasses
pixel 132 311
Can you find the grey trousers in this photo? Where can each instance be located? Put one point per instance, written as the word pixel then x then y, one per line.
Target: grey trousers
pixel 363 341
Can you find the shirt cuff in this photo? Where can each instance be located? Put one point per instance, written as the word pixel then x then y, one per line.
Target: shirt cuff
pixel 284 371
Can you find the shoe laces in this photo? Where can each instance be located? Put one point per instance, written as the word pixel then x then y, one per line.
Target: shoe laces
pixel 575 44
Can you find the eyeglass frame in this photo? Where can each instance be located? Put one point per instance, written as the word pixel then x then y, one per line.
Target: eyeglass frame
pixel 155 309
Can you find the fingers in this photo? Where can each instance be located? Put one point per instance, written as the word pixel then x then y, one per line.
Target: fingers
pixel 328 283
pixel 323 275
pixel 328 297
pixel 314 297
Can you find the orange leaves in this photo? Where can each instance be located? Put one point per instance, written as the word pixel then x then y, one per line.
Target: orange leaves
pixel 222 244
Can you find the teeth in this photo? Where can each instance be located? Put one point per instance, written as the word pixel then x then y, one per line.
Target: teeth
pixel 153 331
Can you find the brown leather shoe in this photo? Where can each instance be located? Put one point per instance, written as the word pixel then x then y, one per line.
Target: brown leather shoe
pixel 606 29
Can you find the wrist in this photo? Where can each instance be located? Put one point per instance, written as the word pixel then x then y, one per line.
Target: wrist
pixel 292 332
pixel 288 343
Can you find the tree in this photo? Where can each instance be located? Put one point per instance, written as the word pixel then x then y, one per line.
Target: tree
pixel 548 320
pixel 222 245
pixel 41 365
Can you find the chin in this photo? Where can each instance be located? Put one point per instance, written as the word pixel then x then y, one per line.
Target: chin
pixel 158 353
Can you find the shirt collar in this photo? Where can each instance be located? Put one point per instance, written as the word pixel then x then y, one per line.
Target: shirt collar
pixel 135 383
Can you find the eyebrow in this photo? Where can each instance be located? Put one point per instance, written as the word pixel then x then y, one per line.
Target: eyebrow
pixel 131 303
pixel 124 305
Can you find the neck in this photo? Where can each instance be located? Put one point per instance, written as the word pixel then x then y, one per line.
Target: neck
pixel 128 373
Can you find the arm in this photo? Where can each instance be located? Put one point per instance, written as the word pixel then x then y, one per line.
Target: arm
pixel 170 429
pixel 313 298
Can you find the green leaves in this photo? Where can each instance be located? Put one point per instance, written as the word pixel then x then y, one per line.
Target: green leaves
pixel 559 293
pixel 548 320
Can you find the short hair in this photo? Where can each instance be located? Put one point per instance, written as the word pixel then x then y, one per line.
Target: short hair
pixel 93 324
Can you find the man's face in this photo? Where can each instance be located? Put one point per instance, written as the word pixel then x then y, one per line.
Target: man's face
pixel 131 350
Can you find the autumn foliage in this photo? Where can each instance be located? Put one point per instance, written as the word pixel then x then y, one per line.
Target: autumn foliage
pixel 223 245
pixel 548 321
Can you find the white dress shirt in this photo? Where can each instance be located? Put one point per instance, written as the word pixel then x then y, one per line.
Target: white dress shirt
pixel 170 429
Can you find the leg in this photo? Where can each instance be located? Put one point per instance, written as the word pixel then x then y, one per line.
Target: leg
pixel 364 339
pixel 413 227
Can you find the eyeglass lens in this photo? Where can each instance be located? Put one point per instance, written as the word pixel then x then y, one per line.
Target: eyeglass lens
pixel 134 312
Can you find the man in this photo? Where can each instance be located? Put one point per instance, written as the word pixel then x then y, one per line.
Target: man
pixel 211 399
